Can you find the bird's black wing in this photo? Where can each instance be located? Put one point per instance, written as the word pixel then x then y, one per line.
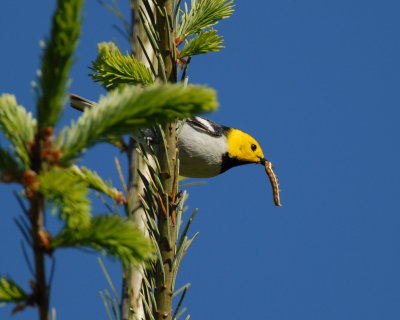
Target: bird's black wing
pixel 207 126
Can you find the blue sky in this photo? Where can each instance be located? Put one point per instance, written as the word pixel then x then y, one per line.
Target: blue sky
pixel 317 84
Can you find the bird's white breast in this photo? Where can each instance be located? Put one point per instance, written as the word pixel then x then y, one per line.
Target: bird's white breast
pixel 200 154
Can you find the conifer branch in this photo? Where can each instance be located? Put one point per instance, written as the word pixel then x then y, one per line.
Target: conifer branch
pixel 57 60
pixel 46 178
pixel 169 174
pixel 36 215
pixel 111 235
pixel 68 193
pixel 55 65
pixel 133 108
pixel 10 292
pixel 203 42
pixel 113 69
pixel 18 126
pixel 10 168
pixel 203 14
pixel 94 181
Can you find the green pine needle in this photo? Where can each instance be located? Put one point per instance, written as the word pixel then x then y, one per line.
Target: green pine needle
pixel 113 69
pixel 112 235
pixel 57 60
pixel 202 43
pixel 17 125
pixel 203 14
pixel 132 108
pixel 9 166
pixel 94 181
pixel 11 292
pixel 68 193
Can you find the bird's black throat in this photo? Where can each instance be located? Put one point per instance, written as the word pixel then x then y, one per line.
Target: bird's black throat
pixel 228 162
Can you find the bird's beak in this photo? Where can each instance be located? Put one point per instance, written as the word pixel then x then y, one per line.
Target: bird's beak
pixel 262 161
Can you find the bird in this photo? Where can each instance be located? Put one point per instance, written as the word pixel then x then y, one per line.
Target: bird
pixel 206 148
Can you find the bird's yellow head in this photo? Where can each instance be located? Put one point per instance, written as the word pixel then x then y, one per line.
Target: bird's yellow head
pixel 244 147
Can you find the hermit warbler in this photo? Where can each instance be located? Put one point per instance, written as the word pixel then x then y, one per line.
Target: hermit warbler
pixel 206 149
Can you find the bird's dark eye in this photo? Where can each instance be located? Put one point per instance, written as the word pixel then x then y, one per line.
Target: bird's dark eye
pixel 253 147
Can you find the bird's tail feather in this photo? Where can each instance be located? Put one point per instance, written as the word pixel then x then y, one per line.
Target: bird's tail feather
pixel 80 103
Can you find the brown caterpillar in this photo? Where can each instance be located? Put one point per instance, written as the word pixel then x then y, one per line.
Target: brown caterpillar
pixel 274 182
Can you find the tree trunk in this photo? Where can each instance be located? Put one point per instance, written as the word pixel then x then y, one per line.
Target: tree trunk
pixel 131 302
